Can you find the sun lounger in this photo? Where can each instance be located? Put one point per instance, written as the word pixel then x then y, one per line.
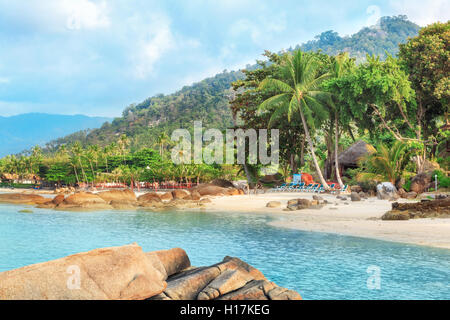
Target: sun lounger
pixel 299 187
pixel 279 188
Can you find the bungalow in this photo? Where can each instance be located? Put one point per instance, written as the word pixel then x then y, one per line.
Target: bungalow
pixel 350 157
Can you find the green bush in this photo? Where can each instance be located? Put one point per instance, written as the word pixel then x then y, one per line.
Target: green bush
pixel 407 185
pixel 443 179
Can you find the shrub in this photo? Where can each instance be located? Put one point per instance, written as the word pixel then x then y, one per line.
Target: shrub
pixel 443 179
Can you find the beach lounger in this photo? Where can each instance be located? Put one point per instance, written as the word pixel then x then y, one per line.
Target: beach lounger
pixel 299 187
pixel 291 187
pixel 279 188
pixel 312 188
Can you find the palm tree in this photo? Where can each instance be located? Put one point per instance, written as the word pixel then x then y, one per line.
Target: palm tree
pixel 300 92
pixel 341 64
pixel 36 156
pixel 123 144
pixel 386 164
pixel 78 152
pixel 163 138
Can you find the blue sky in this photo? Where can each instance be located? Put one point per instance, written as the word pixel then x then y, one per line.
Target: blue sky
pixel 96 57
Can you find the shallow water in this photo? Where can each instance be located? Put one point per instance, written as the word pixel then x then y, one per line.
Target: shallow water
pixel 317 265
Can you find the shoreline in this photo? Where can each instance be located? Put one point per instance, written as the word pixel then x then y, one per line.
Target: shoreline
pixel 358 219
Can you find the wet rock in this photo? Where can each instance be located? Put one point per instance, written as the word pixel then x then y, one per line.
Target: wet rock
pixel 124 204
pixel 187 285
pixel 273 204
pixel 205 201
pixel 210 190
pixel 173 260
pixel 279 293
pixel 181 194
pixel 195 195
pixel 149 197
pixel 254 290
pixel 118 195
pixel 232 192
pixel 21 198
pixel 429 209
pixel 166 196
pixel 58 199
pixel 83 201
pixel 105 274
pixel 355 197
pixel 396 215
pixel 227 281
pixel 82 198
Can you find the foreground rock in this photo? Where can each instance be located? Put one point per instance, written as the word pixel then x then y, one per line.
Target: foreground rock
pixel 20 198
pixel 104 274
pixel 301 204
pixel 129 273
pixel 232 279
pixel 425 209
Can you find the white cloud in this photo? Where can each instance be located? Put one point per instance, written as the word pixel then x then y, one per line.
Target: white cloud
pixel 154 40
pixel 84 14
pixel 4 80
pixel 54 16
pixel 264 28
pixel 423 12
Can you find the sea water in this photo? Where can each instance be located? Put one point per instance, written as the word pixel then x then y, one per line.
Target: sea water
pixel 317 265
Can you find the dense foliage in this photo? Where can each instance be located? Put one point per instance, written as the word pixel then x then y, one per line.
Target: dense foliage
pixel 376 40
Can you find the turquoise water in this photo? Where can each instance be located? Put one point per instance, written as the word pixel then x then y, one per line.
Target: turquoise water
pixel 319 266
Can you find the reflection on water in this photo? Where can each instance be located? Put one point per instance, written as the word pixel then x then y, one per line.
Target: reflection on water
pixel 319 266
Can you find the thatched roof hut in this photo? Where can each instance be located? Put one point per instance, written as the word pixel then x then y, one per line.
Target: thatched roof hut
pixel 350 157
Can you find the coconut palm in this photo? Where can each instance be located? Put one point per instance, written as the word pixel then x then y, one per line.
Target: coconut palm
pixel 78 152
pixel 386 164
pixel 163 138
pixel 124 142
pixel 300 92
pixel 340 66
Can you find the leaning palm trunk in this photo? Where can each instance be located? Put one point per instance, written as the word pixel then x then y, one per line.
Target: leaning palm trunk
pixel 338 174
pixel 311 149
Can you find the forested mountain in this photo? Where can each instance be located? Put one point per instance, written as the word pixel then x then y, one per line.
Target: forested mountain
pixel 208 100
pixel 377 40
pixel 24 131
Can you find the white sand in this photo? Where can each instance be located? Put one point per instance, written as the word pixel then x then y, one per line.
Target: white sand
pixel 360 219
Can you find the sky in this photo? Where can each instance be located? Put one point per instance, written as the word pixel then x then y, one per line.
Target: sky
pixel 96 57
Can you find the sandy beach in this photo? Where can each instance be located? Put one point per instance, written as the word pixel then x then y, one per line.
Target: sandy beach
pixel 361 219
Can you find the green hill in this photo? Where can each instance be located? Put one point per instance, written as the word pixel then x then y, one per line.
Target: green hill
pixel 208 99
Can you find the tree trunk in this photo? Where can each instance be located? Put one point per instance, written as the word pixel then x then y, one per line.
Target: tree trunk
pixel 302 153
pixel 311 149
pixel 76 174
pixel 82 170
pixel 336 147
pixel 247 174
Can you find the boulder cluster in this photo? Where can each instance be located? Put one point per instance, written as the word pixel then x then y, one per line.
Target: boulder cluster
pixel 124 199
pixel 439 208
pixel 128 273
